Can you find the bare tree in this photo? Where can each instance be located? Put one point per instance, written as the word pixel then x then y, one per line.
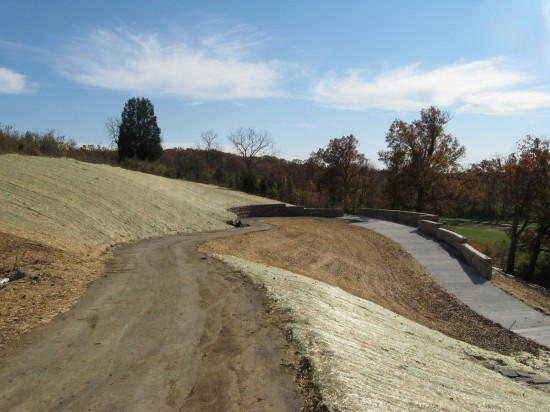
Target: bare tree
pixel 209 139
pixel 112 128
pixel 252 145
pixel 209 145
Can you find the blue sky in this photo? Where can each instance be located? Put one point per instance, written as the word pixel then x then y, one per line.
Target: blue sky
pixel 306 71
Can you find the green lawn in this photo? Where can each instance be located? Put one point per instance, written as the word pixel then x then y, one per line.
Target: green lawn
pixel 482 231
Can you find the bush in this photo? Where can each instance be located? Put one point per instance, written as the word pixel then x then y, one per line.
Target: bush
pixel 487 249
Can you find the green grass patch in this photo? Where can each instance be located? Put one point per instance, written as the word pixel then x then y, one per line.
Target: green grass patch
pixel 458 221
pixel 482 234
pixel 482 231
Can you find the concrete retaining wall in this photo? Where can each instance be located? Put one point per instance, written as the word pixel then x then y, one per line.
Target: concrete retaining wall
pixel 282 210
pixel 401 216
pixel 482 263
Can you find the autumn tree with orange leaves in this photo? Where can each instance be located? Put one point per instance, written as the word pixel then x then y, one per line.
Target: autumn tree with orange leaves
pixel 342 172
pixel 419 158
pixel 527 184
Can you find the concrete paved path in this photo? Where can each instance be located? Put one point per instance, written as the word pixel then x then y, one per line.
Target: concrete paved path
pixel 463 281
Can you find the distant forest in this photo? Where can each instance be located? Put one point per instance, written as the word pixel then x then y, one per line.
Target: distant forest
pixel 296 181
pixel 422 173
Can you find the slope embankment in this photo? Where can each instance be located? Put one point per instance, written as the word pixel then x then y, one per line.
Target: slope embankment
pixel 367 358
pixel 59 218
pixel 367 316
pixel 65 201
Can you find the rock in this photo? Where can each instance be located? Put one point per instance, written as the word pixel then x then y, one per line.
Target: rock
pixel 507 372
pixel 539 380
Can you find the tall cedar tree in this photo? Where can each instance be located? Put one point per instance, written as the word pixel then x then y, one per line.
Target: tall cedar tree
pixel 419 158
pixel 139 134
pixel 343 172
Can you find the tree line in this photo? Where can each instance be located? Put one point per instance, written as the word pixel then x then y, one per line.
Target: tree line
pixel 422 172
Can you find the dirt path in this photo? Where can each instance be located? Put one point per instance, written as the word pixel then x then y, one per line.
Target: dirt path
pixel 166 329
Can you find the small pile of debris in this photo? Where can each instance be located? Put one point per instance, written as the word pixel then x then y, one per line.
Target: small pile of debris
pixel 237 223
pixel 19 274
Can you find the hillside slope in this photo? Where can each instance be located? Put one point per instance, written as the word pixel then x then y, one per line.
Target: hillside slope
pixel 367 358
pixel 58 218
pixel 55 200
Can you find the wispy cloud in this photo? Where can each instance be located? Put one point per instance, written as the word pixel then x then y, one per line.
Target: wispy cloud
pixel 12 82
pixel 219 66
pixel 492 86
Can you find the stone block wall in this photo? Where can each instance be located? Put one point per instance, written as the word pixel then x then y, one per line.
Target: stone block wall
pixel 401 216
pixel 282 210
pixel 429 227
pixel 323 212
pixel 482 263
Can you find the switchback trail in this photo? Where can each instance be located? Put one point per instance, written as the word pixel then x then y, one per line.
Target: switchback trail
pixel 167 328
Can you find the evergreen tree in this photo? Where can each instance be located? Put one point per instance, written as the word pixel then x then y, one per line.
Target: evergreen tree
pixel 139 134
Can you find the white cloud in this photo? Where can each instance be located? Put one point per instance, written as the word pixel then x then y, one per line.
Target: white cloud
pixel 491 86
pixel 12 82
pixel 217 66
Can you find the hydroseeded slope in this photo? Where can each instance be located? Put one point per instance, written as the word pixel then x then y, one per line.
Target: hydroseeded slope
pixel 367 358
pixel 58 218
pixel 53 200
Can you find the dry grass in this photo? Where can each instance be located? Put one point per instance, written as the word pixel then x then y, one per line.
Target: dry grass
pixel 533 295
pixel 59 277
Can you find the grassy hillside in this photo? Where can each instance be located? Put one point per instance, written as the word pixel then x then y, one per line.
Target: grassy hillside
pixel 55 200
pixel 58 218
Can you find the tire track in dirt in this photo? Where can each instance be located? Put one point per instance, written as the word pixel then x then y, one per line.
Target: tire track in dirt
pixel 172 330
